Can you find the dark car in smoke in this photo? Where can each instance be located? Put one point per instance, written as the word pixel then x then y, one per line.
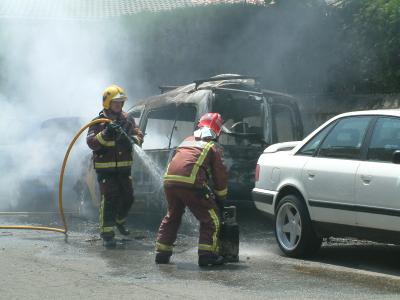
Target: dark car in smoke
pixel 37 174
pixel 255 118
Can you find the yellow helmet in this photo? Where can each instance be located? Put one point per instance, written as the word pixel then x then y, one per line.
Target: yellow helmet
pixel 113 93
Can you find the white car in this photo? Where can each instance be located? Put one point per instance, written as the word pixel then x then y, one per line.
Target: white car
pixel 342 180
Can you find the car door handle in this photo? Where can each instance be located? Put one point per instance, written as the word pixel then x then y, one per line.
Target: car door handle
pixel 310 175
pixel 366 179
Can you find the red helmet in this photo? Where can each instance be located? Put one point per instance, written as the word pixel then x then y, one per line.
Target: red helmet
pixel 212 121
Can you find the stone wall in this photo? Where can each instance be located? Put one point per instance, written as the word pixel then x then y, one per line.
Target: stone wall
pixel 316 109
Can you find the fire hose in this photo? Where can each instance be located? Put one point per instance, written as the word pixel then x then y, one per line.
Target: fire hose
pixel 60 187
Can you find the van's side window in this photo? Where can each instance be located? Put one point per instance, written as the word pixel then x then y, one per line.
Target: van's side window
pixel 184 125
pixel 283 123
pixel 168 126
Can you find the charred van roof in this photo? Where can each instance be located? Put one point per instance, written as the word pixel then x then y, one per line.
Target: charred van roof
pixel 222 82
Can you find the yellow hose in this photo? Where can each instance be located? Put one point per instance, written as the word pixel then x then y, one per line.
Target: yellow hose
pixel 62 230
pixel 60 187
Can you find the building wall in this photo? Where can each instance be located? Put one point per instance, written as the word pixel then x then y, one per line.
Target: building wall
pixel 316 109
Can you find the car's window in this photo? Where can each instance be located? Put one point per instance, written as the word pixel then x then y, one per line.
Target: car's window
pixel 313 144
pixel 243 114
pixel 168 126
pixel 183 128
pixel 385 139
pixel 345 139
pixel 283 123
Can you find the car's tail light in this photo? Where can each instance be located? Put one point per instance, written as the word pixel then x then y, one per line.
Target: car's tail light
pixel 257 174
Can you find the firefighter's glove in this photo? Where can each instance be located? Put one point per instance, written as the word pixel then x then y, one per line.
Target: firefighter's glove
pixel 207 193
pixel 112 129
pixel 138 140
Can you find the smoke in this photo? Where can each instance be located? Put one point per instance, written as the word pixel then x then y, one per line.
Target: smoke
pixel 52 69
pixel 53 75
pixel 292 47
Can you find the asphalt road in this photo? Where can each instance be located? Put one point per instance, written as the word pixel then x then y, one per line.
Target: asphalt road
pixel 43 265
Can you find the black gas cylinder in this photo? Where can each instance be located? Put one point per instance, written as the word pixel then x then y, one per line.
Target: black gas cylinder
pixel 229 235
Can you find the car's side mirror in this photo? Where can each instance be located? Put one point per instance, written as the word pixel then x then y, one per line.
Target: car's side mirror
pixel 396 157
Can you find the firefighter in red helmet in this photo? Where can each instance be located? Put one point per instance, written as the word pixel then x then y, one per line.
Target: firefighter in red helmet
pixel 112 160
pixel 195 170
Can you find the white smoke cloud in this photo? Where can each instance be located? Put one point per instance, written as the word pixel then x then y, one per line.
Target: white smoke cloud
pixel 51 70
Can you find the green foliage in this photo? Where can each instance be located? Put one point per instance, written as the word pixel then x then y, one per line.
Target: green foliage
pixel 372 28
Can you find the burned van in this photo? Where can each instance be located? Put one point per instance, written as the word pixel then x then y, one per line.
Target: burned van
pixel 254 118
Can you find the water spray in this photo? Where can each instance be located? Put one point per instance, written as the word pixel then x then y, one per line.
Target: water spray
pixel 153 168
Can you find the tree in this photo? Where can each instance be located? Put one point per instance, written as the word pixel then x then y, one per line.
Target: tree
pixel 372 29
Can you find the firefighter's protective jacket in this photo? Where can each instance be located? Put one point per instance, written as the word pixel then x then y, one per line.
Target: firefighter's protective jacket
pixel 195 163
pixel 110 153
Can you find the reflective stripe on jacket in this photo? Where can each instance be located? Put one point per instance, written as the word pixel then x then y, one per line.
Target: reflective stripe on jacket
pixel 108 153
pixel 195 163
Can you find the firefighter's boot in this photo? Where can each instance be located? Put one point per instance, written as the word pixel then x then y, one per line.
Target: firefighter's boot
pixel 210 260
pixel 109 243
pixel 162 258
pixel 122 229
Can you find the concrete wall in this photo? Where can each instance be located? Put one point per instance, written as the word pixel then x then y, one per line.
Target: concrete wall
pixel 316 109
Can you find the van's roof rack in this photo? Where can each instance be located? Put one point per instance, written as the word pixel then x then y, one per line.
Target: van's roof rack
pixel 220 78
pixel 167 88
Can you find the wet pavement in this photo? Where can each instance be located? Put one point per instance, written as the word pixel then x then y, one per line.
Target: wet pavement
pixel 44 265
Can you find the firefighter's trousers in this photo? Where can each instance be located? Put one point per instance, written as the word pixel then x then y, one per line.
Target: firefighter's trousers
pixel 205 210
pixel 116 200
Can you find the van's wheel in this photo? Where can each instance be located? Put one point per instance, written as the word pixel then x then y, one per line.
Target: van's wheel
pixel 293 228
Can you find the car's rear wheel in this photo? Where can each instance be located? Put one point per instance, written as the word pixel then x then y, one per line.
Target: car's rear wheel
pixel 293 228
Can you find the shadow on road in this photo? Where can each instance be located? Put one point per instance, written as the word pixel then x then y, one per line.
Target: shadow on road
pixel 362 255
pixel 351 253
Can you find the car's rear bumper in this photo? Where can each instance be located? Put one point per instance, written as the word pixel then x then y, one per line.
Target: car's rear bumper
pixel 264 200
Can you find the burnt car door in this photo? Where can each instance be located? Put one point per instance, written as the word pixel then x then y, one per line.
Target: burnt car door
pixel 284 121
pixel 164 128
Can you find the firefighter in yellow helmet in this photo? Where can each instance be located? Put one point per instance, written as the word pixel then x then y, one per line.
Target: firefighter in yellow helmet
pixel 112 160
